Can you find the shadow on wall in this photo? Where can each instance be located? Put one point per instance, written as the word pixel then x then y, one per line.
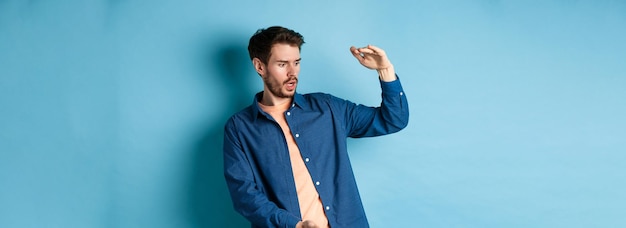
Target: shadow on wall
pixel 209 200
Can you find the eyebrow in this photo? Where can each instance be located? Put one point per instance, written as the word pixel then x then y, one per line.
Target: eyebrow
pixel 287 61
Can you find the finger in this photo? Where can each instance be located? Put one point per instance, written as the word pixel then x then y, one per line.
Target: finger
pixel 367 50
pixel 355 52
pixel 376 49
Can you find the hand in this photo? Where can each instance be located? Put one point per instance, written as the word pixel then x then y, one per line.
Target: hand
pixel 375 58
pixel 371 57
pixel 306 224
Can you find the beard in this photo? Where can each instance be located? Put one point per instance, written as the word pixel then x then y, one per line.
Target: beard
pixel 277 88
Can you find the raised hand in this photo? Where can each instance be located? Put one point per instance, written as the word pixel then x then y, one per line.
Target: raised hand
pixel 375 58
pixel 371 57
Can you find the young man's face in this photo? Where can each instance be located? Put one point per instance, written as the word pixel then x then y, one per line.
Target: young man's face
pixel 280 75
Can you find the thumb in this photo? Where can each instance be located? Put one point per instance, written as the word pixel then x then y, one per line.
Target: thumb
pixel 309 224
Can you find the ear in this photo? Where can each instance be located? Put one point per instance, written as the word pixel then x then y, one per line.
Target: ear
pixel 259 66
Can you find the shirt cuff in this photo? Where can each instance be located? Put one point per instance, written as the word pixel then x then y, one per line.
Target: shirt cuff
pixel 292 221
pixel 392 87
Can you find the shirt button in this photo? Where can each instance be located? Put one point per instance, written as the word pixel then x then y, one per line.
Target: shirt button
pixel 401 93
pixel 297 135
pixel 327 208
pixel 317 183
pixel 293 105
pixel 288 113
pixel 306 160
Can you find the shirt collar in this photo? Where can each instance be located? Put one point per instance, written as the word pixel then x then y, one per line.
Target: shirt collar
pixel 298 101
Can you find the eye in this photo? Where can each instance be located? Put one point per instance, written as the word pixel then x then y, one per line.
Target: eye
pixel 281 64
pixel 297 63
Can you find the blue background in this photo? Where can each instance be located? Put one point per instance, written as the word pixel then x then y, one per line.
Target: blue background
pixel 111 112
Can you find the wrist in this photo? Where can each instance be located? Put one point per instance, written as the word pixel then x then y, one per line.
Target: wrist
pixel 387 74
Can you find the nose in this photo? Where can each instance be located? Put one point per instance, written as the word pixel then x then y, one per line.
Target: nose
pixel 292 70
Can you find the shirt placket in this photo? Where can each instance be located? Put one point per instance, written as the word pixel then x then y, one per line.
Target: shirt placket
pixel 291 118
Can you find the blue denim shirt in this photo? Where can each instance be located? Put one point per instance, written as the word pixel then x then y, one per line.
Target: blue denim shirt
pixel 256 159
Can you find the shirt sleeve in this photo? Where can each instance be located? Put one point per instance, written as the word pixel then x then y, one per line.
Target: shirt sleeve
pixel 248 200
pixel 391 116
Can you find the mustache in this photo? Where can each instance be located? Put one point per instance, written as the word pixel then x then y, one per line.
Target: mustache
pixel 290 79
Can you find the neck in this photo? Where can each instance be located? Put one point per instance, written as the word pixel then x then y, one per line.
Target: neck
pixel 270 100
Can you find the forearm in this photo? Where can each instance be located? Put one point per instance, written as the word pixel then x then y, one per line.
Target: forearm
pixel 262 212
pixel 391 116
pixel 394 108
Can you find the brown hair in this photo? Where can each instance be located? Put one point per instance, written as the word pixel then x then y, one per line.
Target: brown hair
pixel 261 42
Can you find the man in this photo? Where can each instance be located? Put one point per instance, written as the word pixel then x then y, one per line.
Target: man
pixel 285 156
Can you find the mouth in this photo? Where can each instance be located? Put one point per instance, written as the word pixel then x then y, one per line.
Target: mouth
pixel 291 84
